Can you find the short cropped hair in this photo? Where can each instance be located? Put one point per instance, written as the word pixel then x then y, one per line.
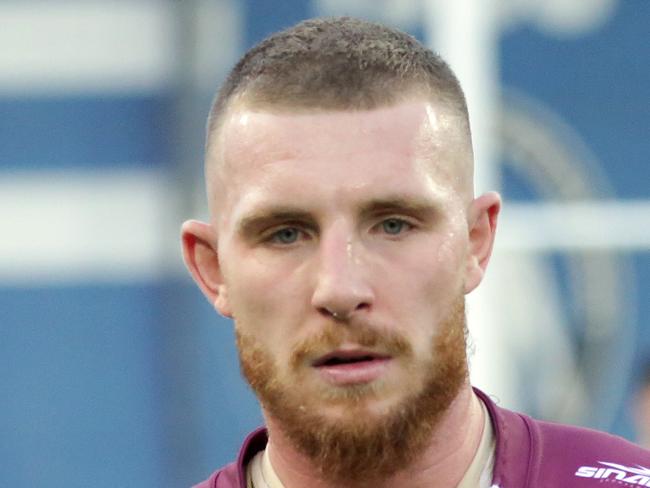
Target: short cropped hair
pixel 337 63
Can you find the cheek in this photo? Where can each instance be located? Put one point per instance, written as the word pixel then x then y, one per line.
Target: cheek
pixel 450 259
pixel 436 269
pixel 264 298
pixel 424 289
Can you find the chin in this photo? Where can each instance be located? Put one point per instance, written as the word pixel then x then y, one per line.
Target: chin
pixel 369 407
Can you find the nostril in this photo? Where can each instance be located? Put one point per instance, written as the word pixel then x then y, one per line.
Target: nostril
pixel 339 316
pixel 323 311
pixel 342 315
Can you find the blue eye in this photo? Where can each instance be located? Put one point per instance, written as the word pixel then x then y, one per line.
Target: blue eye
pixel 393 226
pixel 288 235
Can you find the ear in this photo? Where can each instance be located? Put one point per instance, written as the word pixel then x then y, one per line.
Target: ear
pixel 202 261
pixel 482 224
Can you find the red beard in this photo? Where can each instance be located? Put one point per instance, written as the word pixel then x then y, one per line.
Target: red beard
pixel 361 446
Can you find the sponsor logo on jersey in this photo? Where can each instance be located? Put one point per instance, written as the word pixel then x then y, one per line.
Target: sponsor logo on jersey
pixel 635 476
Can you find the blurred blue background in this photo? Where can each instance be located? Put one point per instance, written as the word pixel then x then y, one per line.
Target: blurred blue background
pixel 114 371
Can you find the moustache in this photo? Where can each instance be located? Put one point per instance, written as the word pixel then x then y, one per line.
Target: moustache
pixel 333 336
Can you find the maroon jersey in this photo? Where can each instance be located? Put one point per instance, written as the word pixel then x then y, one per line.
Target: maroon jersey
pixel 529 454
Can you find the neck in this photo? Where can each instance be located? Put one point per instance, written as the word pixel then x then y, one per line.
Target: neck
pixel 442 463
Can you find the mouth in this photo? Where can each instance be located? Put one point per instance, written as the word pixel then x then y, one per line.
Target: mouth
pixel 339 358
pixel 350 367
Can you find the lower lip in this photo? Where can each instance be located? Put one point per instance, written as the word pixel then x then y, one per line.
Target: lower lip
pixel 354 373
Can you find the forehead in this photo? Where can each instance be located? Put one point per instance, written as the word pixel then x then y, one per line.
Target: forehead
pixel 393 145
pixel 245 129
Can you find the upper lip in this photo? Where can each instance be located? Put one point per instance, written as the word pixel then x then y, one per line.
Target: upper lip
pixel 348 354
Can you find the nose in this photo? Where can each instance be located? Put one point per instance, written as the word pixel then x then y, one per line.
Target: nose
pixel 342 288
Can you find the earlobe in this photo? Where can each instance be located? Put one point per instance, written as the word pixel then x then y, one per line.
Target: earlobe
pixel 202 261
pixel 222 304
pixel 482 223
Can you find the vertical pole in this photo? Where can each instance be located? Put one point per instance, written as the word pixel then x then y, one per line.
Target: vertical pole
pixel 466 34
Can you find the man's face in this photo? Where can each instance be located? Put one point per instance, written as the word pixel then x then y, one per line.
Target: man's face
pixel 342 242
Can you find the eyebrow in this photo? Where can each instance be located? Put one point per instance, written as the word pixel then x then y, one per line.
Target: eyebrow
pixel 251 224
pixel 416 206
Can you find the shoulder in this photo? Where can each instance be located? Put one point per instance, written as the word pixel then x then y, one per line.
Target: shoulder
pixel 225 477
pixel 576 457
pixel 587 441
pixel 537 454
pixel 233 475
pixel 586 456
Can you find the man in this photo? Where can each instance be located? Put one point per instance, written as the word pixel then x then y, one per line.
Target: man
pixel 343 236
